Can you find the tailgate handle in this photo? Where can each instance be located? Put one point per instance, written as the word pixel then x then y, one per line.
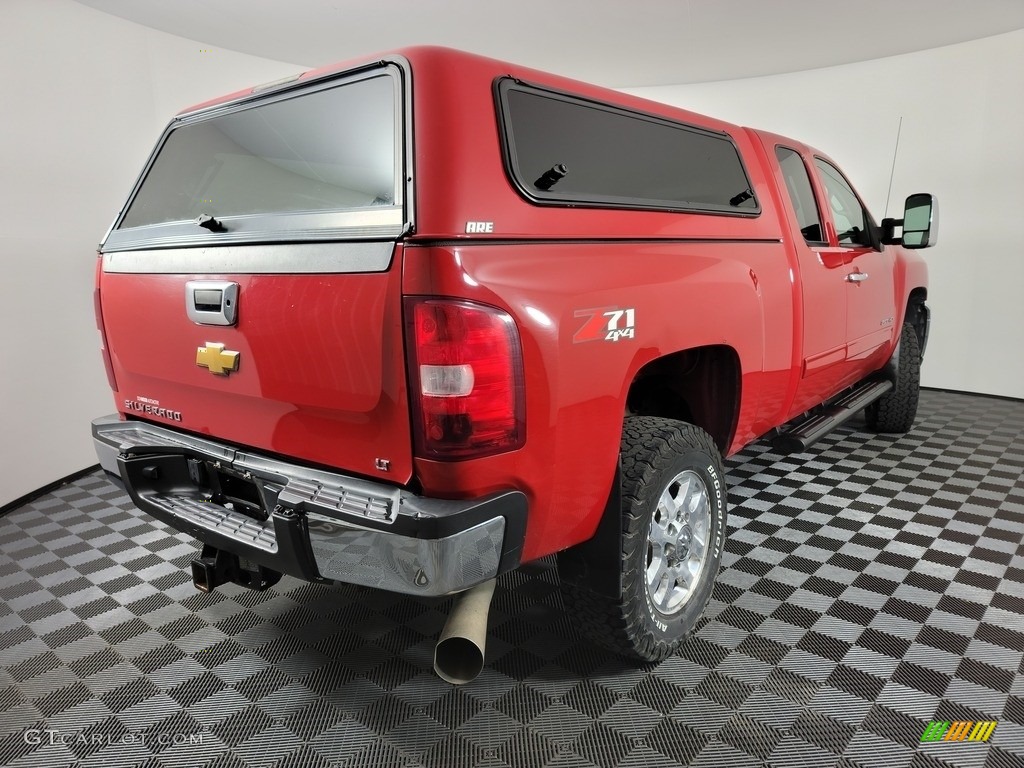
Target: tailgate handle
pixel 211 302
pixel 208 301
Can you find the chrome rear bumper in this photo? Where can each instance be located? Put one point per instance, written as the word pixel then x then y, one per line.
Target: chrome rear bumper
pixel 310 523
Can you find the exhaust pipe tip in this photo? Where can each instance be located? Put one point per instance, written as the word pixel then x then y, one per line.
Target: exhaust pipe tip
pixel 459 653
pixel 458 660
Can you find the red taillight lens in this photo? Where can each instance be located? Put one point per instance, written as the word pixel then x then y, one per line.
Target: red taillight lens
pixel 466 371
pixel 104 349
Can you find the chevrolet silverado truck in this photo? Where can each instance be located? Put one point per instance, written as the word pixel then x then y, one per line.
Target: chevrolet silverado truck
pixel 412 321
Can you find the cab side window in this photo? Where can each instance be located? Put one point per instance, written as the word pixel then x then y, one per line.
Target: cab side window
pixel 847 212
pixel 798 183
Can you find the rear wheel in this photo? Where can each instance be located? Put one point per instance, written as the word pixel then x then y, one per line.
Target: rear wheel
pixel 896 409
pixel 673 527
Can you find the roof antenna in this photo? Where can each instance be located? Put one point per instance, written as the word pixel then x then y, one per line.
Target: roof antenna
pixel 892 170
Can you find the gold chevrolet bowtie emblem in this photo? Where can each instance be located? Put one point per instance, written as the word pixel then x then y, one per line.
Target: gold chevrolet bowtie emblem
pixel 214 357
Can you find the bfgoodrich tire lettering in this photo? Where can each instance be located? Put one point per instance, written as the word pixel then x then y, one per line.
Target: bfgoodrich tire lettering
pixel 672 480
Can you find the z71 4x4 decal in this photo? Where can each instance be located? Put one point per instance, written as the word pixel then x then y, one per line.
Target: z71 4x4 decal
pixel 605 324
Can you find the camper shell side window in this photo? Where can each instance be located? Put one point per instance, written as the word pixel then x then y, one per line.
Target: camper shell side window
pixel 561 149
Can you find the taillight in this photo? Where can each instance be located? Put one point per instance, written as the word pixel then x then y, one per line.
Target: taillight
pixel 466 374
pixel 97 304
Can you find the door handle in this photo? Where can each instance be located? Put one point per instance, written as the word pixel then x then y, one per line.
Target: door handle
pixel 857 277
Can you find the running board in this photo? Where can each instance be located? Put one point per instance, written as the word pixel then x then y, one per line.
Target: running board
pixel 802 436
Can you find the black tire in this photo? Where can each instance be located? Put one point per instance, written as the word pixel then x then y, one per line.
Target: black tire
pixel 656 452
pixel 895 410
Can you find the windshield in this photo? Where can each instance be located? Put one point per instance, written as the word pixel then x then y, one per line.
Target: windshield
pixel 330 150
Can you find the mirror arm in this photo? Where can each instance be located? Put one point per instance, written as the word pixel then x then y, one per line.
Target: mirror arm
pixel 888 233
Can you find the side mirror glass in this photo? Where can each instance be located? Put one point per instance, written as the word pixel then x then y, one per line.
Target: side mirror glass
pixel 921 221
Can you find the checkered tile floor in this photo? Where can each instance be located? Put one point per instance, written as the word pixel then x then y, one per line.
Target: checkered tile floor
pixel 869 587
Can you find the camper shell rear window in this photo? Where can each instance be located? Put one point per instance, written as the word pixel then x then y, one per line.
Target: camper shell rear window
pixel 312 163
pixel 562 149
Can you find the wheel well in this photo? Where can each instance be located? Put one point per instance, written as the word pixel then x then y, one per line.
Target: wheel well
pixel 700 386
pixel 917 315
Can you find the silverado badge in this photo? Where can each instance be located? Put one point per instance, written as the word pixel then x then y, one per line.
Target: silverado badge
pixel 217 359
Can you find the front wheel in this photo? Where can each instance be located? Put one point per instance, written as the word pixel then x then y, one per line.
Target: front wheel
pixel 896 409
pixel 673 528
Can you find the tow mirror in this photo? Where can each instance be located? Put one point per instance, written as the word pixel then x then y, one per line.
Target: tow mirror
pixel 920 223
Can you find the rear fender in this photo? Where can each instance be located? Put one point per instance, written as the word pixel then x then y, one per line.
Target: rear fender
pixel 579 373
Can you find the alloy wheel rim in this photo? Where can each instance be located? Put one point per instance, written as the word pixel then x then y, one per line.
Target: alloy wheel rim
pixel 677 542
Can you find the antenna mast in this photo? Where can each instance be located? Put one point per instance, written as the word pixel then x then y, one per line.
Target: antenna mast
pixel 892 170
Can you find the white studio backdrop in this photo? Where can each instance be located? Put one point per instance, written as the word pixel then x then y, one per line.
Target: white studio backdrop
pixel 84 97
pixel 86 94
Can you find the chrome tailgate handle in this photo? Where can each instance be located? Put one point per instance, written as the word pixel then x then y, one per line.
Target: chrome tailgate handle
pixel 211 302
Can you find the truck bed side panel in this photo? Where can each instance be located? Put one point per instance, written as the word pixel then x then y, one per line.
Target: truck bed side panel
pixel 684 295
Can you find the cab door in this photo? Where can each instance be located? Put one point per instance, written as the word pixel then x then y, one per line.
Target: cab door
pixel 868 278
pixel 821 282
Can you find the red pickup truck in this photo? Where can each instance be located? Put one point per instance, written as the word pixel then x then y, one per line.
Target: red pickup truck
pixel 411 321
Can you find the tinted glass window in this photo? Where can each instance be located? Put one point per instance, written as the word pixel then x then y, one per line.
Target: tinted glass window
pixel 614 157
pixel 847 212
pixel 328 150
pixel 798 183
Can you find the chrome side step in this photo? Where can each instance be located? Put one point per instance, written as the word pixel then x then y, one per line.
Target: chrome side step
pixel 802 436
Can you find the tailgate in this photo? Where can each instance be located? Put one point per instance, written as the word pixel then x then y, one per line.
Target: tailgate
pixel 313 367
